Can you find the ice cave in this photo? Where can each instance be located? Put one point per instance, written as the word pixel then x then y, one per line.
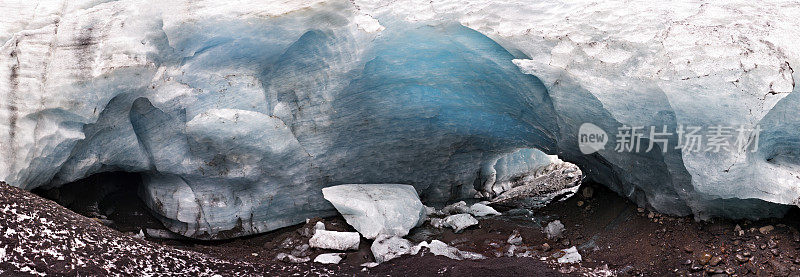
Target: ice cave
pixel 236 115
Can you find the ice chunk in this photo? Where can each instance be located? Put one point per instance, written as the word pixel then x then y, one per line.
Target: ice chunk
pixel 569 255
pixel 479 209
pixel 459 222
pixel 329 258
pixel 335 240
pixel 387 248
pixel 440 248
pixel 291 258
pixel 459 207
pixel 437 222
pixel 378 209
pixel 515 238
pixel 554 229
pixel 369 265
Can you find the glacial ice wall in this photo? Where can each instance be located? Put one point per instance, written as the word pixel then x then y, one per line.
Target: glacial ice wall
pixel 238 113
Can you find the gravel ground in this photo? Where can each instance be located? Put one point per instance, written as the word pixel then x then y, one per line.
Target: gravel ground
pixel 613 236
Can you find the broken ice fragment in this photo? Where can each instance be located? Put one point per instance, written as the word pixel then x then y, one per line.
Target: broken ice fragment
pixel 329 258
pixel 387 248
pixel 437 222
pixel 440 248
pixel 515 238
pixel 291 259
pixel 569 255
pixel 460 222
pixel 335 240
pixel 479 209
pixel 369 265
pixel 554 229
pixel 459 207
pixel 378 209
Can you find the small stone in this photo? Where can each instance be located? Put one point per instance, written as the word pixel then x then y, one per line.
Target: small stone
pixel 715 260
pixel 696 267
pixel 587 192
pixel 641 210
pixel 763 246
pixel 738 230
pixel 515 238
pixel 287 243
pixel 565 242
pixel 716 272
pixel 730 271
pixel 580 203
pixel 651 215
pixel 741 258
pixel 772 244
pixel 546 247
pixel 775 252
pixel 704 259
pixel 780 269
pixel 766 229
pixel 687 262
pixel 688 249
pixel 747 253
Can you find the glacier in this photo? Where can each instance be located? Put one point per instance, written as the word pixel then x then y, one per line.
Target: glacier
pixel 238 113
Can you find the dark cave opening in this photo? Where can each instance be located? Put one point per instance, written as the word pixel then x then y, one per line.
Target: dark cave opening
pixel 111 198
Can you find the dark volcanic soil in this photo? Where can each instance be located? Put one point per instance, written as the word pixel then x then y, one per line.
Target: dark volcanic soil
pixel 612 234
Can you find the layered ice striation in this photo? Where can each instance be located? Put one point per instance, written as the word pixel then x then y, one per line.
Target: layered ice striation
pixel 238 113
pixel 238 120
